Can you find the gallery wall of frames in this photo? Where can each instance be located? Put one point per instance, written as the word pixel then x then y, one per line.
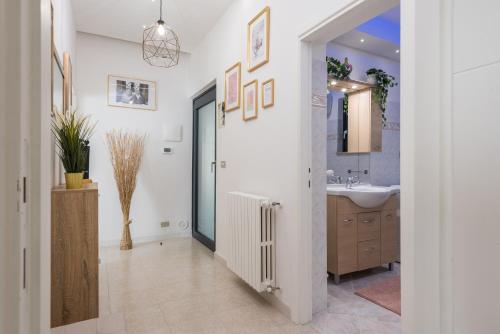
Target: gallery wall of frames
pixel 248 94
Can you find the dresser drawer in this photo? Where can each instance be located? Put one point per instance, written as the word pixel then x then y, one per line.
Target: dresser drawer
pixel 368 226
pixel 368 254
pixel 347 243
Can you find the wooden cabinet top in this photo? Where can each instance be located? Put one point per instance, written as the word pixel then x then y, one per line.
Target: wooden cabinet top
pixel 86 187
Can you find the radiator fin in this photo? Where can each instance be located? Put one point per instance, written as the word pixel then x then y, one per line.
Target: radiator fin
pixel 252 224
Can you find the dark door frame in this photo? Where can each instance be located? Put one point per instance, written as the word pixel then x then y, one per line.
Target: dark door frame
pixel 199 102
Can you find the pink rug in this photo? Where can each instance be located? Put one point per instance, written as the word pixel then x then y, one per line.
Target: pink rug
pixel 386 294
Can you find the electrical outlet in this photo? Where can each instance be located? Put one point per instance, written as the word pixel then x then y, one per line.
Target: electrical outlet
pixel 165 224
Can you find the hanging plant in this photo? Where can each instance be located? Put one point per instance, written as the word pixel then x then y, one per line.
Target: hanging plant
pixel 337 69
pixel 345 104
pixel 383 82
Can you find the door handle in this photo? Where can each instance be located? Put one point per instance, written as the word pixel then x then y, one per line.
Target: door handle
pixel 212 166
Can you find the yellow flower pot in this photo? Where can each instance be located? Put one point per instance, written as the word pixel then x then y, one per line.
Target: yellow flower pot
pixel 74 180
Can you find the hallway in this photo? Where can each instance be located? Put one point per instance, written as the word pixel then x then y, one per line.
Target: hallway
pixel 176 288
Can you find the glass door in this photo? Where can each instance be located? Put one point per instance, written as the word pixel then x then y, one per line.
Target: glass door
pixel 204 168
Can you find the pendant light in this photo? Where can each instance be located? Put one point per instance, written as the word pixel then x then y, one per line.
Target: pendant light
pixel 160 44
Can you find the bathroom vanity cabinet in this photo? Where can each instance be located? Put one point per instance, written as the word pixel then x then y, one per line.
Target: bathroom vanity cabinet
pixel 360 238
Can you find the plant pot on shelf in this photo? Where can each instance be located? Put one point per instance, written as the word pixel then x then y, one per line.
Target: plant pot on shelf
pixel 371 79
pixel 74 180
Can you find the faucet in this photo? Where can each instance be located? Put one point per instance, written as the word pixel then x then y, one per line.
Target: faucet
pixel 350 181
pixel 331 178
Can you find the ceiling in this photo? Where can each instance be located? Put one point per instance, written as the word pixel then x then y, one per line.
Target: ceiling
pixel 393 15
pixel 124 19
pixel 379 36
pixel 370 44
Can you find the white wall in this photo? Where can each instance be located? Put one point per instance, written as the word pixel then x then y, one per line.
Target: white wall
pixel 475 177
pixel 262 155
pixel 64 28
pixel 383 166
pixel 163 189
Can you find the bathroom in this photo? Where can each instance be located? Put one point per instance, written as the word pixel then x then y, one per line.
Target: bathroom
pixel 363 173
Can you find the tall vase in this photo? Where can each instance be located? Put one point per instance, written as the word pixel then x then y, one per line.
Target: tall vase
pixel 126 242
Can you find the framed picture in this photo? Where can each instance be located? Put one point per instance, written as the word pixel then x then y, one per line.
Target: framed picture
pixel 250 100
pixel 68 81
pixel 232 88
pixel 131 93
pixel 268 93
pixel 258 40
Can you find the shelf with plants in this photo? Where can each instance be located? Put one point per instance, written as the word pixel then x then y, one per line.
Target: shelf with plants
pixel 347 86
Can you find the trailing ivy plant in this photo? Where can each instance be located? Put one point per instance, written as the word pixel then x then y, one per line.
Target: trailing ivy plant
pixel 337 69
pixel 345 104
pixel 383 82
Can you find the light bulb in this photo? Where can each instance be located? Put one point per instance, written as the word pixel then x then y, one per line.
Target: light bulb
pixel 161 30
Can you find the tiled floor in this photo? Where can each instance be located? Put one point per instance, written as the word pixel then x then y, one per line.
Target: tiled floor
pixel 176 288
pixel 349 314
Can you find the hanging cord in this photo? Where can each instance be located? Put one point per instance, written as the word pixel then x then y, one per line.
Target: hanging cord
pixel 161 9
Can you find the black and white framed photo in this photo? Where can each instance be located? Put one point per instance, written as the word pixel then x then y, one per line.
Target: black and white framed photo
pixel 131 93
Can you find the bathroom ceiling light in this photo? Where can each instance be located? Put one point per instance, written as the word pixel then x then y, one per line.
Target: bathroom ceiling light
pixel 160 44
pixel 397 51
pixel 362 40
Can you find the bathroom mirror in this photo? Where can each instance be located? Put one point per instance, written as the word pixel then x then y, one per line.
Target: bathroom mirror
pixel 359 121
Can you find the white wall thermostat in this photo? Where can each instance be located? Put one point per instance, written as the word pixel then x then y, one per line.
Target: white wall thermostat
pixel 172 132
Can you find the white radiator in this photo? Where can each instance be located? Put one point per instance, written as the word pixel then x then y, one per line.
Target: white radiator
pixel 252 224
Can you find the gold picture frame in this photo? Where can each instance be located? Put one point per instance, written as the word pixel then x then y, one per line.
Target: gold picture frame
pixel 251 100
pixel 265 94
pixel 143 101
pixel 258 33
pixel 233 70
pixel 68 81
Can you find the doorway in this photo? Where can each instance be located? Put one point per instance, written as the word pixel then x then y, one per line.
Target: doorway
pixel 204 167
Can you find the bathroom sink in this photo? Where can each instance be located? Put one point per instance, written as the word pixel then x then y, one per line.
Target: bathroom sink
pixel 364 195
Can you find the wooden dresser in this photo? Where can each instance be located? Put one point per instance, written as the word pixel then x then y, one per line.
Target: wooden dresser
pixel 75 259
pixel 359 238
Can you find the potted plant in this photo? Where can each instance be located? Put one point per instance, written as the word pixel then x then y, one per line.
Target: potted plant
pixel 383 82
pixel 337 69
pixel 71 130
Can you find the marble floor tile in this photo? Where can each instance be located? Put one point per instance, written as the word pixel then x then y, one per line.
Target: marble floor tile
pixel 348 313
pixel 111 324
pixel 177 288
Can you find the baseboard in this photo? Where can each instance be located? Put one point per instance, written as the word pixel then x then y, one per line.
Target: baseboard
pixel 278 303
pixel 220 258
pixel 146 239
pixel 269 297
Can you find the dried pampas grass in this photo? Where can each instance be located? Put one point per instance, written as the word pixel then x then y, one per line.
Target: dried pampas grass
pixel 126 150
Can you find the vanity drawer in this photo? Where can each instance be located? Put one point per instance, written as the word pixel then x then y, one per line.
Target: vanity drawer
pixel 368 254
pixel 368 226
pixel 347 247
pixel 389 226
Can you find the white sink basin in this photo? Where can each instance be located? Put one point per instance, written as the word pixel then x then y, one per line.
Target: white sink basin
pixel 364 195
